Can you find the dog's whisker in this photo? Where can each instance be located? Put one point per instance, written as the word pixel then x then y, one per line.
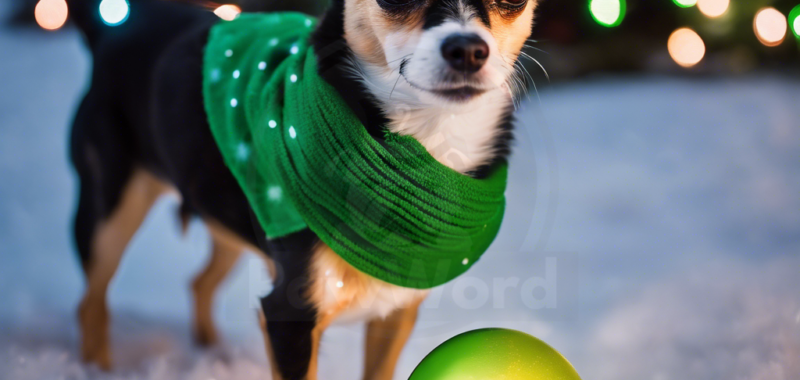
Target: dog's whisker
pixel 395 84
pixel 525 55
pixel 535 48
pixel 514 88
pixel 532 81
pixel 521 66
pixel 514 81
pixel 401 58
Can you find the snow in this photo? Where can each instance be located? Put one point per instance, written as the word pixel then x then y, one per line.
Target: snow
pixel 669 206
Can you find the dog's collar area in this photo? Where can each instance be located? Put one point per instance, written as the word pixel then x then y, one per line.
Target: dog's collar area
pixel 304 160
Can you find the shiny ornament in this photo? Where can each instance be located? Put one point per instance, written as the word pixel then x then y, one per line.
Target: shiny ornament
pixel 494 354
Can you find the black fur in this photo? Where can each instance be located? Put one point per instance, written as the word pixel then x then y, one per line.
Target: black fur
pixel 145 109
pixel 333 59
pixel 113 128
pixel 290 316
pixel 442 10
pixel 400 9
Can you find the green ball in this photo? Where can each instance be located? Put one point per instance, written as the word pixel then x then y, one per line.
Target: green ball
pixel 494 354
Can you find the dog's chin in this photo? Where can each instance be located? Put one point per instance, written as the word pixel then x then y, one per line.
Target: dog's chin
pixel 462 94
pixel 453 94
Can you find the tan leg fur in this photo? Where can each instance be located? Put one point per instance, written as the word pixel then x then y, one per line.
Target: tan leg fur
pixel 385 341
pixel 226 250
pixel 110 240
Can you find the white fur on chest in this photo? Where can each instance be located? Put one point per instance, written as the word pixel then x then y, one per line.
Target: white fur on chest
pixel 339 289
pixel 379 301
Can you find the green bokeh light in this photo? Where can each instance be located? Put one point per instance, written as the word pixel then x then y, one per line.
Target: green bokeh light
pixel 685 3
pixel 608 13
pixel 794 21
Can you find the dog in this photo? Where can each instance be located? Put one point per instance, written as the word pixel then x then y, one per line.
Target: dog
pixel 442 71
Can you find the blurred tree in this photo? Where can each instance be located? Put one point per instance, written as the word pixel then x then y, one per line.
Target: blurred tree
pixel 576 45
pixel 22 14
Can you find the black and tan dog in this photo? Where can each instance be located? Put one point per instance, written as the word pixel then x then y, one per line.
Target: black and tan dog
pixel 442 71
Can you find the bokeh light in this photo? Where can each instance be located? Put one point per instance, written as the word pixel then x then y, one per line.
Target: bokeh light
pixel 713 8
pixel 114 12
pixel 770 26
pixel 685 3
pixel 686 47
pixel 51 14
pixel 796 26
pixel 607 12
pixel 794 21
pixel 228 12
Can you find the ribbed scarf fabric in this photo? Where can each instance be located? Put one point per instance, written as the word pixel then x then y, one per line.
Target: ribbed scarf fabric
pixel 304 159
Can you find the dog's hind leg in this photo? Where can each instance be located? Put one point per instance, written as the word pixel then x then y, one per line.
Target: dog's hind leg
pixel 385 341
pixel 226 249
pixel 108 240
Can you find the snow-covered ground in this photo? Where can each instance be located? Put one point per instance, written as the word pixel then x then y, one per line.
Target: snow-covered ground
pixel 661 215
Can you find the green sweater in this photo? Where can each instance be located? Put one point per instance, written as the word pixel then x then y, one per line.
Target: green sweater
pixel 304 160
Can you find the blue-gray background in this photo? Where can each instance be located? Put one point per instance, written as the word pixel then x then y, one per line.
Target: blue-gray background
pixel 670 205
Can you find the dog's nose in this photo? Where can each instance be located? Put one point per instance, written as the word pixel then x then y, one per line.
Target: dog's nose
pixel 465 52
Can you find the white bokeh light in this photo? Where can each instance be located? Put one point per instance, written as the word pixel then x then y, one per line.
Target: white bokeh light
pixel 686 3
pixel 51 14
pixel 770 26
pixel 114 12
pixel 228 12
pixel 607 12
pixel 796 25
pixel 713 8
pixel 686 47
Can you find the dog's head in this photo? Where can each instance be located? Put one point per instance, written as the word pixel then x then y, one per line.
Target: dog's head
pixel 446 51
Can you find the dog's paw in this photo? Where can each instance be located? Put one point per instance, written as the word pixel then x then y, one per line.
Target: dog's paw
pixel 205 336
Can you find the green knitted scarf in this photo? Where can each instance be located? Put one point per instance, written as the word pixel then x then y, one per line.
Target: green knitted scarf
pixel 304 160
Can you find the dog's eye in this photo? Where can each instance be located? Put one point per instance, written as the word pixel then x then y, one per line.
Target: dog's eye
pixel 513 4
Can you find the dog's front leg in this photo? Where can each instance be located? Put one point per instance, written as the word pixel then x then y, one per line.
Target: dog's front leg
pixel 289 336
pixel 292 338
pixel 385 341
pixel 293 323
